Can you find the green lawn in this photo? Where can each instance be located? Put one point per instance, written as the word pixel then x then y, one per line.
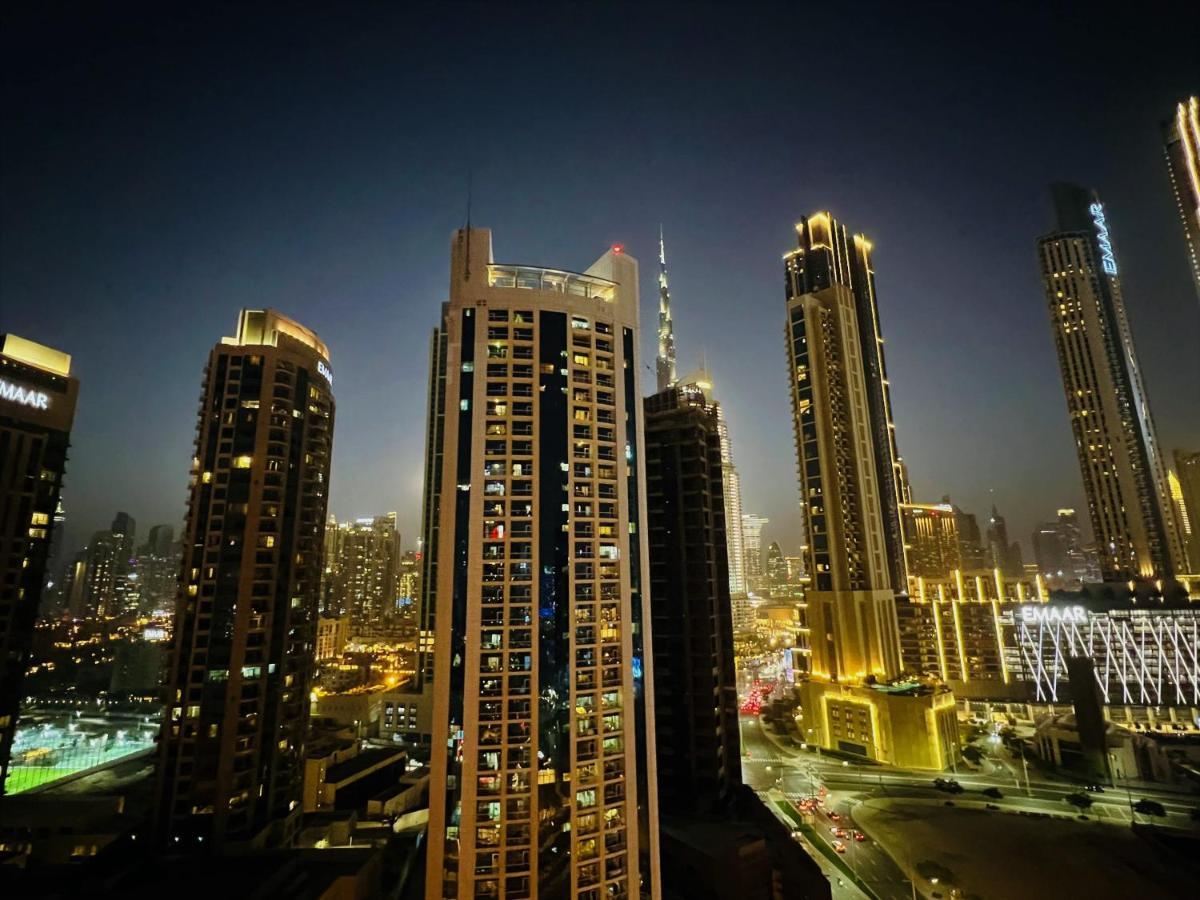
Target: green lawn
pixel 23 778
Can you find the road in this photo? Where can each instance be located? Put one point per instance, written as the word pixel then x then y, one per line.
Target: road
pixel 772 763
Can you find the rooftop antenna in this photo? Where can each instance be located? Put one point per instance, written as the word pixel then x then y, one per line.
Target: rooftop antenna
pixel 467 268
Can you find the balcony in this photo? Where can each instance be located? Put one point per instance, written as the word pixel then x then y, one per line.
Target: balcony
pixel 557 281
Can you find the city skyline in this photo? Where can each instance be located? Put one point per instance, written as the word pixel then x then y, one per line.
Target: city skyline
pixel 355 262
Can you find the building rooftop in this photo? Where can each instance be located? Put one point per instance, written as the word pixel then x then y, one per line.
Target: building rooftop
pixel 35 354
pixel 363 762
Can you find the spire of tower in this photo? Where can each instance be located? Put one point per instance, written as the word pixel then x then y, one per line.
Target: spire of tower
pixel 665 364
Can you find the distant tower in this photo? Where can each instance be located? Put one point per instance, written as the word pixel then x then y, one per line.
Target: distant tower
pixel 665 365
pixel 1124 476
pixel 231 753
pixel 1182 145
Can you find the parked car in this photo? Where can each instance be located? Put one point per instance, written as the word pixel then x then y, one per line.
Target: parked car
pixel 994 792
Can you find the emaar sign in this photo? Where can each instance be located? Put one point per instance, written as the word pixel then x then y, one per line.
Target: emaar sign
pixel 1048 615
pixel 23 395
pixel 1107 260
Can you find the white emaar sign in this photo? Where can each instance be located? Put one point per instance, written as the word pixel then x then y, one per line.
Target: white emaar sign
pixel 324 370
pixel 23 395
pixel 1032 615
pixel 1107 260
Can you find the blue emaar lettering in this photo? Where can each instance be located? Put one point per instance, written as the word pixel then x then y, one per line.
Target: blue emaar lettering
pixel 1107 260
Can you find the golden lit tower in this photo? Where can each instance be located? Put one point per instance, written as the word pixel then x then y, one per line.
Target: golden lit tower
pixel 850 474
pixel 1182 144
pixel 1124 476
pixel 542 779
pixel 231 760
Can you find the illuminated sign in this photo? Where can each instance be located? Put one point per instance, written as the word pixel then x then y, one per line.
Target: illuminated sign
pixel 25 396
pixel 1034 615
pixel 324 370
pixel 1107 260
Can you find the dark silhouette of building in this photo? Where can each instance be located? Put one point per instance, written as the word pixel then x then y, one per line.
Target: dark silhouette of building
pixel 695 693
pixel 231 759
pixel 37 407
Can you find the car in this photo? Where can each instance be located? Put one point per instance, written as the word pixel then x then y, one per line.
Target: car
pixel 835 816
pixel 833 829
pixel 994 792
pixel 1095 788
pixel 839 846
pixel 858 835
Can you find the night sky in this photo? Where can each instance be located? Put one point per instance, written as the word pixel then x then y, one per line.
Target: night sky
pixel 162 172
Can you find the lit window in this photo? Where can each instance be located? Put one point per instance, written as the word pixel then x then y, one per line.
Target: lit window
pixel 243 462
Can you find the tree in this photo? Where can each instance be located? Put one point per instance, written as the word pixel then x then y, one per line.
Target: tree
pixel 972 755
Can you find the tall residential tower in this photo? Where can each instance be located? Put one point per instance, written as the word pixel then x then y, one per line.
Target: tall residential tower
pixel 1182 144
pixel 1124 476
pixel 231 754
pixel 37 407
pixel 543 735
pixel 852 490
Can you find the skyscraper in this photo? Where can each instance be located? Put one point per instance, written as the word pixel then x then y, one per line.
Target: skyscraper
pixel 732 485
pixel 1182 144
pixel 231 756
pixel 931 539
pixel 158 564
pixel 542 733
pixel 37 407
pixel 1124 477
pixel 1004 556
pixel 364 576
pixel 1185 491
pixel 852 487
pixel 664 365
pixel 752 526
pixel 848 465
pixel 695 694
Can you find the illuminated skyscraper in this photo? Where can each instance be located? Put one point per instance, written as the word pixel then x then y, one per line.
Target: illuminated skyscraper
pixel 848 465
pixel 1124 476
pixel 665 364
pixel 542 779
pixel 852 488
pixel 1185 492
pixel 752 526
pixel 37 407
pixel 1182 143
pixel 231 760
pixel 363 580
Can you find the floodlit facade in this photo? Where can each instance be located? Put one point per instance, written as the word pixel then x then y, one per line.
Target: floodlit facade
pixel 37 408
pixel 535 511
pixel 1184 484
pixel 1182 144
pixel 231 752
pixel 849 470
pixel 1124 476
pixel 752 528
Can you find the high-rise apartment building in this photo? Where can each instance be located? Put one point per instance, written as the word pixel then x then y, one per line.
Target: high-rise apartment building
pixel 1124 476
pixel 848 464
pixel 732 486
pixel 1182 143
pixel 695 692
pixel 363 578
pixel 970 539
pixel 1185 493
pixel 852 487
pixel 37 407
pixel 752 528
pixel 543 737
pixel 231 756
pixel 931 540
pixel 158 563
